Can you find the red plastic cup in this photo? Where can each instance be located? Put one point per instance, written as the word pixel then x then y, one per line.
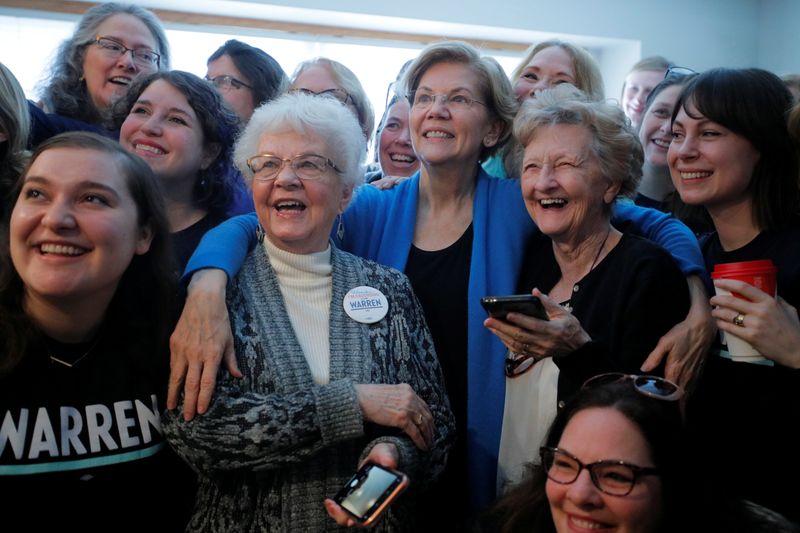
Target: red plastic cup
pixel 760 274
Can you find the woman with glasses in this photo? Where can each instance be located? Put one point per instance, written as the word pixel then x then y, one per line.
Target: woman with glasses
pixel 455 231
pixel 113 46
pixel 609 295
pixel 177 123
pixel 616 457
pixel 337 363
pixel 246 77
pixel 732 158
pixel 325 77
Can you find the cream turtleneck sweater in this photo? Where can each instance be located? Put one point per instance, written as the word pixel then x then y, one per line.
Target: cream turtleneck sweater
pixel 306 285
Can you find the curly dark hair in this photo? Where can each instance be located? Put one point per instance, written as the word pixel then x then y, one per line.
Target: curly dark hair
pixel 214 188
pixel 64 91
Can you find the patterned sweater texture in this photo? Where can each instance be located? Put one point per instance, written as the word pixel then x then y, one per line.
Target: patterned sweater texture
pixel 273 445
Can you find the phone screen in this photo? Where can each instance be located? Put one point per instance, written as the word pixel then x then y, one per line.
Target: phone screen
pixel 366 491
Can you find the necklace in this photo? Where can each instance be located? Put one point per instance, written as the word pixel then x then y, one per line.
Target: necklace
pixel 599 250
pixel 68 364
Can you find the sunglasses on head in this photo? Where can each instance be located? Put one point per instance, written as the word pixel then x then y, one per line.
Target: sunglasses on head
pixel 650 386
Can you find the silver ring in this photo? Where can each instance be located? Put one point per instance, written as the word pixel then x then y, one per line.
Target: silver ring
pixel 739 320
pixel 419 419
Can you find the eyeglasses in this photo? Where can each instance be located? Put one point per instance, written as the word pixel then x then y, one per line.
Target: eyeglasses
pixel 337 94
pixel 424 100
pixel 226 83
pixel 518 364
pixel 266 167
pixel 143 57
pixel 678 72
pixel 616 478
pixel 650 386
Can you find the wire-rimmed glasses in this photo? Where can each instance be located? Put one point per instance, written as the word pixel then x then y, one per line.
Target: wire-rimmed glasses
pixel 266 167
pixel 226 83
pixel 337 94
pixel 143 57
pixel 423 100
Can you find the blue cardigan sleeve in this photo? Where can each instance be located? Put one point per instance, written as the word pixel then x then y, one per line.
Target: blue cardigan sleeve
pixel 666 231
pixel 224 247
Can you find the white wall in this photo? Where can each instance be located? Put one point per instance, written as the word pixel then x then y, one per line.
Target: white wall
pixel 696 33
pixel 779 49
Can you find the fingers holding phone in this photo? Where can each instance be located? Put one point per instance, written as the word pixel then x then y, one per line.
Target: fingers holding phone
pixel 366 496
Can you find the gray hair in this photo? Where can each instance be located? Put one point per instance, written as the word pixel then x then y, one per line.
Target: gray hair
pixel 64 91
pixel 349 83
pixel 494 85
pixel 307 115
pixel 615 143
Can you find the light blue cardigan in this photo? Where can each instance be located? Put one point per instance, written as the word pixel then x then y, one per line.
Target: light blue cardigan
pixel 379 225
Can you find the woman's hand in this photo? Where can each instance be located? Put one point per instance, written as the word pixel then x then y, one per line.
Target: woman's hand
pixel 523 334
pixel 769 324
pixel 397 406
pixel 685 345
pixel 388 182
pixel 202 338
pixel 384 454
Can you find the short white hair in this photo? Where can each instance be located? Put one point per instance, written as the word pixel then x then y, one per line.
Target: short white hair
pixel 323 117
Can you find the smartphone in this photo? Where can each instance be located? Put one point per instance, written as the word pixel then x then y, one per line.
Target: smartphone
pixel 527 304
pixel 370 491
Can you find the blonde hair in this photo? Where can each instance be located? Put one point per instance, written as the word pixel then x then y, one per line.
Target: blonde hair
pixel 587 72
pixel 350 84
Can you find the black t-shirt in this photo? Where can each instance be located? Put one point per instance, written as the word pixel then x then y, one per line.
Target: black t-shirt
pixel 743 417
pixel 185 241
pixel 81 446
pixel 440 280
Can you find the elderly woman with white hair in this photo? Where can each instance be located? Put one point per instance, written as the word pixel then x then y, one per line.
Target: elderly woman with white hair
pixel 338 364
pixel 613 294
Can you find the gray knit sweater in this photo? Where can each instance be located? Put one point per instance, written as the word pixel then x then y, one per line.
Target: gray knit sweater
pixel 273 445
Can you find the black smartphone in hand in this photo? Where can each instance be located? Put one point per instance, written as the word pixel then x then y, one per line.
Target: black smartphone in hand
pixel 370 491
pixel 527 304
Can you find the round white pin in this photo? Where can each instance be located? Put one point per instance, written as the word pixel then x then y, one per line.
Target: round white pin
pixel 365 304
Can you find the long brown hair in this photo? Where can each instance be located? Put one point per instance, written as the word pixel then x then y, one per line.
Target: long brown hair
pixel 146 290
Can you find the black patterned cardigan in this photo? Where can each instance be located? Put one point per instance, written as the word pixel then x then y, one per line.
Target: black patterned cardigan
pixel 273 445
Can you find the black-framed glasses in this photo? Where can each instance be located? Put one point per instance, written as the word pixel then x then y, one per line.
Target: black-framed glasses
pixel 616 478
pixel 143 57
pixel 678 72
pixel 337 94
pixel 423 100
pixel 226 83
pixel 650 386
pixel 266 167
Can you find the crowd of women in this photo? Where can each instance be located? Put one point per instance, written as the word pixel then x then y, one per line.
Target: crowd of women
pixel 322 323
